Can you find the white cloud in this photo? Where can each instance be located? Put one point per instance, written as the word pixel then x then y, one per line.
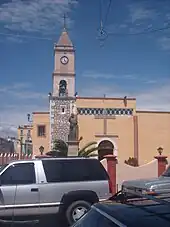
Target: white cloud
pixel 35 15
pixel 21 91
pixel 17 100
pixel 165 43
pixel 139 12
pixel 94 75
pixel 147 79
pixel 14 39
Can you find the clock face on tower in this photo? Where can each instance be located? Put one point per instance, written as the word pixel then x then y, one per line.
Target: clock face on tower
pixel 64 60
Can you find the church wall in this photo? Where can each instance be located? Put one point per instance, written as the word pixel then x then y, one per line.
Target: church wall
pixel 122 127
pixel 153 132
pixel 88 126
pixel 120 130
pixel 100 102
pixel 41 118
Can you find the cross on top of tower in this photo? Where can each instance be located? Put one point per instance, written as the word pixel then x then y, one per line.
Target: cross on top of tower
pixel 64 40
pixel 64 21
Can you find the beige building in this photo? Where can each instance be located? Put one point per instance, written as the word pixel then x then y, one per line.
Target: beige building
pixel 114 123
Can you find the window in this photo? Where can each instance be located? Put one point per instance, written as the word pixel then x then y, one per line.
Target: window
pixel 95 219
pixel 29 132
pixel 72 170
pixel 41 130
pixel 63 109
pixel 22 173
pixel 83 170
pixel 53 170
pixel 3 167
pixel 21 132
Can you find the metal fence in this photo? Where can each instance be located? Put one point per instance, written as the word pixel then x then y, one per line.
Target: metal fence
pixel 7 157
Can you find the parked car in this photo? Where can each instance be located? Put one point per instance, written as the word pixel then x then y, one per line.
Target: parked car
pixel 52 185
pixel 134 213
pixel 152 186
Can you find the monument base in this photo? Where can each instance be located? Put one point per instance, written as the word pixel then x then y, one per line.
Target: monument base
pixel 73 147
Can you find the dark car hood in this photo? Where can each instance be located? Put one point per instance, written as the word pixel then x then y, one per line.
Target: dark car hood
pixel 146 183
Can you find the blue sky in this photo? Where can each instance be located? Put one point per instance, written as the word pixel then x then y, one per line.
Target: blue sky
pixel 133 65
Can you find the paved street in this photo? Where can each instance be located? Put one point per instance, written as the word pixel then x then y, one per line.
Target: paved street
pixel 47 221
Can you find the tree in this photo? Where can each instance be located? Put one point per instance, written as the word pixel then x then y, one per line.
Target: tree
pixel 60 149
pixel 88 150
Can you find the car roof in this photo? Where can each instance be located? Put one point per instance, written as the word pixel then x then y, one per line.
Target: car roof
pixel 146 214
pixel 51 158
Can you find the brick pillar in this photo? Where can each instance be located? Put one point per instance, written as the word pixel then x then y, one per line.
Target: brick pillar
pixel 162 161
pixel 111 169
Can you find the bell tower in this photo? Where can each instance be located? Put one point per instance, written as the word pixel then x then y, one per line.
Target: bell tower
pixel 64 66
pixel 62 99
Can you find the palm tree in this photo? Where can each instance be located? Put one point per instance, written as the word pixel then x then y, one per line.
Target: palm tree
pixel 88 150
pixel 60 149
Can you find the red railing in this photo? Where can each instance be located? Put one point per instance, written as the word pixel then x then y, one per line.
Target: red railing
pixel 7 157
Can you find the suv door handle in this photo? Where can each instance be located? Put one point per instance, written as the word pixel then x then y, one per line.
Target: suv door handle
pixel 34 189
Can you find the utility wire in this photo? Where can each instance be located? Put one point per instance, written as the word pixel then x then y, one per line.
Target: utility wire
pixel 24 36
pixel 107 12
pixel 103 34
pixel 141 33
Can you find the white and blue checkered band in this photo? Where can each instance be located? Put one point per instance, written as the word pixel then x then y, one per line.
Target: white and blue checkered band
pixel 107 111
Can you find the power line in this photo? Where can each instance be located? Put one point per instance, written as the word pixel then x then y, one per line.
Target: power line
pixel 25 36
pixel 103 34
pixel 142 32
pixel 107 12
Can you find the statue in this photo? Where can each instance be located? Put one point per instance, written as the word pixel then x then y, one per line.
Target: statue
pixel 73 132
pixel 63 88
pixel 74 109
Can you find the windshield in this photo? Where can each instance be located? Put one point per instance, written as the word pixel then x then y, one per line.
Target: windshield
pixel 167 172
pixel 3 167
pixel 94 219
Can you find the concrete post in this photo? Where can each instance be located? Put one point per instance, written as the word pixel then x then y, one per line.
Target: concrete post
pixel 111 169
pixel 162 161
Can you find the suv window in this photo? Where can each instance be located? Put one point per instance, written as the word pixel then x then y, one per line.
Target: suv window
pixel 53 170
pixel 21 173
pixel 71 170
pixel 95 219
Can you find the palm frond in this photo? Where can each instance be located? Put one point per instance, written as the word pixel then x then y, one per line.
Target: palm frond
pixel 82 150
pixel 88 152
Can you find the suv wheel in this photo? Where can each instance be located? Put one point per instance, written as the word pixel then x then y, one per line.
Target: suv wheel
pixel 76 210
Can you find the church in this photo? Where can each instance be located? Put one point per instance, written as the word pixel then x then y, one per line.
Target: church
pixel 114 123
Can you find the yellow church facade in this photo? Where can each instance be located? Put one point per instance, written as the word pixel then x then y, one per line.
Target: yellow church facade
pixel 114 123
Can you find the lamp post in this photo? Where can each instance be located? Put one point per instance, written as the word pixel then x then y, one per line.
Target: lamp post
pixel 29 118
pixel 49 96
pixel 160 150
pixel 41 149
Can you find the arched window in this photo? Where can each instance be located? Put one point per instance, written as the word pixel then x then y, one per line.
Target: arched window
pixel 62 88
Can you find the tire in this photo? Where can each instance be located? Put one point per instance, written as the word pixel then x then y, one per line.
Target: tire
pixel 71 212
